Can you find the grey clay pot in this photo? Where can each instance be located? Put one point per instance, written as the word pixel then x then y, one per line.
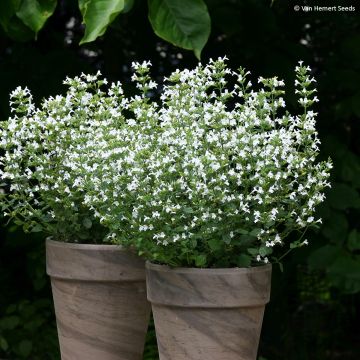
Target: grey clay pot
pixel 100 301
pixel 208 314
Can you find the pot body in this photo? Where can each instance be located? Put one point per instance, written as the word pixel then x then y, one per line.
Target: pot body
pixel 208 314
pixel 100 301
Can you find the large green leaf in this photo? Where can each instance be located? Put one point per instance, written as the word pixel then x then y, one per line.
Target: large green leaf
pixel 184 23
pixel 7 10
pixel 97 15
pixel 336 227
pixel 342 197
pixel 323 257
pixel 129 4
pixel 12 25
pixel 350 168
pixel 34 13
pixel 18 31
pixel 345 273
pixel 343 269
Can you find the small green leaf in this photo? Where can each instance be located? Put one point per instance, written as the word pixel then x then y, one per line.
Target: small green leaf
pixel 34 13
pixel 244 260
pixel 253 251
pixel 226 239
pixel 11 309
pixel 98 15
pixel 9 322
pixel 184 23
pixel 255 232
pixel 294 245
pixel 353 241
pixel 200 260
pixel 214 244
pixel 242 232
pixel 37 228
pixel 87 223
pixel 25 348
pixel 263 251
pixel 3 344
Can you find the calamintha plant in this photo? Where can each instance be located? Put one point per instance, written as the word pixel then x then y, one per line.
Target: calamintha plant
pixel 212 175
pixel 39 183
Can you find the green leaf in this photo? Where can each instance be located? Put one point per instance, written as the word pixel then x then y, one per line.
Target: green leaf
pixel 253 251
pixel 3 344
pixel 34 13
pixel 184 23
pixel 200 260
pixel 353 241
pixel 324 256
pixel 37 228
pixel 87 223
pixel 350 169
pixel 343 196
pixel 242 232
pixel 255 232
pixel 25 348
pixel 7 10
pixel 355 104
pixel 226 239
pixel 9 322
pixel 345 273
pixel 129 4
pixel 82 6
pixel 263 250
pixel 97 15
pixel 11 24
pixel 335 227
pixel 244 260
pixel 214 244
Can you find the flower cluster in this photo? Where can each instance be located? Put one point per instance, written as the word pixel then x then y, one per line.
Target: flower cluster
pixel 42 192
pixel 211 174
pixel 215 173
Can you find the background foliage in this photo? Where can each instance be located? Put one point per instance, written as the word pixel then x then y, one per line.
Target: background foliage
pixel 314 312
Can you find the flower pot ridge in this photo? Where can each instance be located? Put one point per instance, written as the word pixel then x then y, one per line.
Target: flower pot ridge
pixel 100 301
pixel 208 314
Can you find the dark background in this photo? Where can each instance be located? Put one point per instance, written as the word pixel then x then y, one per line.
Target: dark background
pixel 314 311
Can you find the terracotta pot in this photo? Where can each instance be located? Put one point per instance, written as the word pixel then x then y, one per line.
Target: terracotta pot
pixel 208 314
pixel 100 301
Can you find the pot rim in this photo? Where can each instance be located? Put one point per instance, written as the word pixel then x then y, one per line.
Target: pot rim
pixel 208 288
pixel 93 262
pixel 95 247
pixel 208 271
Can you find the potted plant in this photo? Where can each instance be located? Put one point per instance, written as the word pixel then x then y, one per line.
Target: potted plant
pixel 98 288
pixel 221 174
